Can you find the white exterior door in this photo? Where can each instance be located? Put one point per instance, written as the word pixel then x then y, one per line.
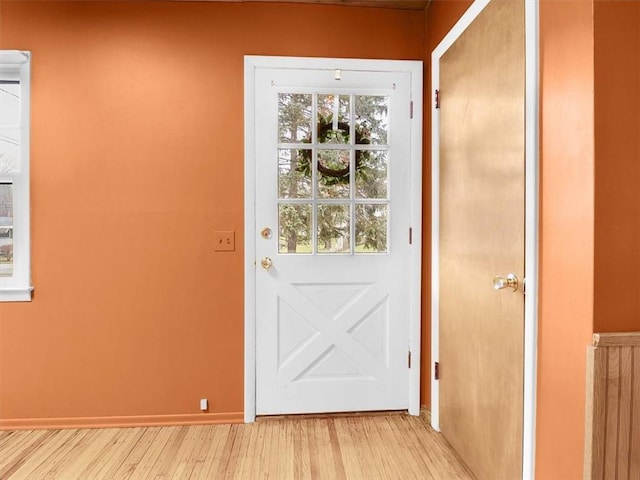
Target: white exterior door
pixel 333 243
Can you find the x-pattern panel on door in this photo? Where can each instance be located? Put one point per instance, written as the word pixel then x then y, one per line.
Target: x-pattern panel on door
pixel 317 323
pixel 332 322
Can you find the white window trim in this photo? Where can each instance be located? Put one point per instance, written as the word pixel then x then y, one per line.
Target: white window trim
pixel 17 288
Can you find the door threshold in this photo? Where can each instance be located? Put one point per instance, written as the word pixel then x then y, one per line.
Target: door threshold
pixel 330 415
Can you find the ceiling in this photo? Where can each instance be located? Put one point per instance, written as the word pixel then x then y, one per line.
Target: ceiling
pixel 398 4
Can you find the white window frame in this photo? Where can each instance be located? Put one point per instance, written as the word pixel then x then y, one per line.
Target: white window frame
pixel 16 65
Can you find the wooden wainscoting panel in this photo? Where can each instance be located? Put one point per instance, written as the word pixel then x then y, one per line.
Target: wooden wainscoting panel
pixel 619 339
pixel 634 447
pixel 595 412
pixel 612 449
pixel 612 405
pixel 625 358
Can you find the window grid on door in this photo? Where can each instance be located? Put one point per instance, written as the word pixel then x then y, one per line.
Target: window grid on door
pixel 333 174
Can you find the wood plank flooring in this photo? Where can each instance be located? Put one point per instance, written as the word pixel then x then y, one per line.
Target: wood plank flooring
pixel 368 447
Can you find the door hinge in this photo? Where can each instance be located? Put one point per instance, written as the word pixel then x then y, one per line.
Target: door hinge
pixel 436 370
pixel 409 359
pixel 411 109
pixel 437 98
pixel 410 236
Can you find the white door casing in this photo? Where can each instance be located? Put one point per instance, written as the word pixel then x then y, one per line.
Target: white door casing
pixel 531 220
pixel 331 331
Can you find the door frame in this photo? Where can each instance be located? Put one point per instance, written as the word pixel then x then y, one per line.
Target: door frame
pixel 414 68
pixel 531 222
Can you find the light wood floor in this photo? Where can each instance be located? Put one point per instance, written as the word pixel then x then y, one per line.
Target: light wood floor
pixel 390 446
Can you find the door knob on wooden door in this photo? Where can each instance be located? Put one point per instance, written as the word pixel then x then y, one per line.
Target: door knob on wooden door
pixel 510 281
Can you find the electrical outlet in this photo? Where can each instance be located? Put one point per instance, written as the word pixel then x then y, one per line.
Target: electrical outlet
pixel 204 404
pixel 224 241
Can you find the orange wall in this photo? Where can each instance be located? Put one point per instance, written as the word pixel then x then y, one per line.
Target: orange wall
pixel 617 141
pixel 137 157
pixel 566 234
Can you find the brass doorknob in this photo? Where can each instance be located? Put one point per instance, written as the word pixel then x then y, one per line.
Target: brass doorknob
pixel 510 281
pixel 266 263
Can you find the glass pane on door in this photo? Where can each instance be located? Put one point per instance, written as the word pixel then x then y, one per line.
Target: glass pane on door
pixel 334 118
pixel 333 173
pixel 334 226
pixel 294 228
pixel 294 118
pixel 294 173
pixel 371 174
pixel 371 229
pixel 372 116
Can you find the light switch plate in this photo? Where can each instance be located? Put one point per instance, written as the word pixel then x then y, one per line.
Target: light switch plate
pixel 224 241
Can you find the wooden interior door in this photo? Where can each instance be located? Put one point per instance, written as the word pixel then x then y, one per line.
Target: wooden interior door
pixel 482 208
